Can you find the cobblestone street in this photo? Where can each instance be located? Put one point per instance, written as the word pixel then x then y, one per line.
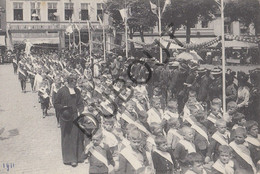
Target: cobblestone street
pixel 28 143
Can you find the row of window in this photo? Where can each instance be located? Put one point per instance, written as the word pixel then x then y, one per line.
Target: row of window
pixel 52 9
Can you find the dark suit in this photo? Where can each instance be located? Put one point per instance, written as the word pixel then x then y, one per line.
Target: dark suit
pixel 96 166
pixel 161 164
pixel 71 137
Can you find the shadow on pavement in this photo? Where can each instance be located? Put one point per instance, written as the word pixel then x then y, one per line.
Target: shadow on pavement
pixel 11 133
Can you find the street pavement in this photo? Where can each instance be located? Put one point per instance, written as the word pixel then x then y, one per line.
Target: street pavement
pixel 28 143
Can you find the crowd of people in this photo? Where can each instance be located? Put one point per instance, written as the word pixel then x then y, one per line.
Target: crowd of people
pixel 140 116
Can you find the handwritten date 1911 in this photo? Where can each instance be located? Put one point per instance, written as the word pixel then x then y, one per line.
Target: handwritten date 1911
pixel 8 166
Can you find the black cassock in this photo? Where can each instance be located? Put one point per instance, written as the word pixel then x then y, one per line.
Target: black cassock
pixel 72 138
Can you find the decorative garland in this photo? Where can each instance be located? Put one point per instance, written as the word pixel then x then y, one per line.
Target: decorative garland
pixel 255 40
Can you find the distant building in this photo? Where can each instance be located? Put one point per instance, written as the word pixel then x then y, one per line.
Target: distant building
pixel 45 21
pixel 2 23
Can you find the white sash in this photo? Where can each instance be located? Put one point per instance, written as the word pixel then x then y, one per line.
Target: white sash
pixel 28 66
pixel 104 105
pixel 61 64
pixel 110 139
pixel 213 120
pixel 165 155
pixel 20 71
pixel 131 158
pixel 174 132
pixel 139 106
pixel 125 142
pixel 139 126
pixel 72 91
pixel 29 72
pixel 169 114
pixel 246 158
pixel 154 113
pixel 52 68
pixel 46 67
pixel 186 112
pixel 14 61
pixel 50 76
pixel 90 84
pixel 98 90
pixel 219 166
pixel 188 146
pixel 253 141
pixel 99 156
pixel 123 97
pixel 66 71
pixel 198 129
pixel 77 71
pixel 89 95
pixel 219 139
pixel 116 88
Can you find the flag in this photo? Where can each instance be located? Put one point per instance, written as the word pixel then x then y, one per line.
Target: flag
pixel 69 30
pixel 72 17
pixel 89 25
pixel 77 27
pixel 167 2
pixel 28 47
pixel 123 13
pixel 100 21
pixel 153 8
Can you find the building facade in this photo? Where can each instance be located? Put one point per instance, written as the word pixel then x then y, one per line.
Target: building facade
pixel 2 23
pixel 45 21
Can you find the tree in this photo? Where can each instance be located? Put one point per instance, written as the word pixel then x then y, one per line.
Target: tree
pixel 245 11
pixel 188 13
pixel 140 17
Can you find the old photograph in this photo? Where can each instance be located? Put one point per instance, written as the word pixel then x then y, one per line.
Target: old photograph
pixel 129 86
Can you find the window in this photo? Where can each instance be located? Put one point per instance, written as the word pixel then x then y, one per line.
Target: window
pixel 18 11
pixel 99 11
pixel 68 11
pixel 204 24
pixel 84 11
pixel 52 9
pixel 35 11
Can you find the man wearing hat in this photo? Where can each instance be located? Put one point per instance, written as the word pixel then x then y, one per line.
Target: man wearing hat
pixel 203 83
pixel 22 75
pixel 215 87
pixel 173 77
pixel 70 103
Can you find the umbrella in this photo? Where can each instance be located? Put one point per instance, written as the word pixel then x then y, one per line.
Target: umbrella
pixel 192 55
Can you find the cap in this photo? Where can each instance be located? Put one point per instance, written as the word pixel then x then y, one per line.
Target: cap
pixel 216 71
pixel 174 64
pixel 201 70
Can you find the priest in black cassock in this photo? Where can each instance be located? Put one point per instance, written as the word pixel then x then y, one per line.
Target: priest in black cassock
pixel 70 104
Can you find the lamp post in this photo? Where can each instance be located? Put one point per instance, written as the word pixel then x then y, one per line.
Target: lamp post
pixel 223 57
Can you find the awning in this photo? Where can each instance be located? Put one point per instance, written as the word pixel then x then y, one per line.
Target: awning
pixel 37 40
pixel 194 40
pixel 239 44
pixel 2 40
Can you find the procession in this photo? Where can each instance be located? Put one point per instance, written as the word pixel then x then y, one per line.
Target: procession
pixel 174 108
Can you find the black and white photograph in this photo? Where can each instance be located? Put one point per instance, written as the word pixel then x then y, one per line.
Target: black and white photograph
pixel 129 86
